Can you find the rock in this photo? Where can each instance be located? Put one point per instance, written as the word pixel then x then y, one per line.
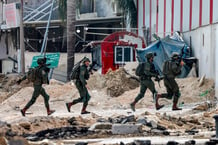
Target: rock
pixel 190 142
pixel 142 121
pixel 202 107
pixel 18 141
pixel 122 119
pixel 25 125
pixel 98 125
pixel 102 120
pixel 159 132
pixel 146 128
pixel 3 141
pixel 130 118
pixel 2 123
pixel 142 142
pixel 152 124
pixel 126 128
pixel 191 132
pixel 81 143
pixel 72 121
pixel 161 127
pixel 172 143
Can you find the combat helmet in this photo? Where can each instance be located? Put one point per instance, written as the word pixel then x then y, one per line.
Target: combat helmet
pixel 149 55
pixel 41 61
pixel 86 59
pixel 175 55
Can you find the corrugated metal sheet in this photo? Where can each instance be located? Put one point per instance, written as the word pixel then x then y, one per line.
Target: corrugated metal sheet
pixel 186 11
pixel 161 18
pixel 176 15
pixel 140 17
pixel 205 12
pixel 215 11
pixel 195 13
pixel 147 13
pixel 168 16
pixel 153 19
pixel 176 25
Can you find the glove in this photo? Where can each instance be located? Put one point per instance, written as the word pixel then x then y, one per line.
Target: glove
pixel 157 79
pixel 19 81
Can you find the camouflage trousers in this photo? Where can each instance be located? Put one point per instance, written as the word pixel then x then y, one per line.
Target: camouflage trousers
pixel 172 89
pixel 84 94
pixel 144 84
pixel 38 90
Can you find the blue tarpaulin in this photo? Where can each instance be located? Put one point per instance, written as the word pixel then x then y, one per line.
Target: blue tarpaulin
pixel 164 49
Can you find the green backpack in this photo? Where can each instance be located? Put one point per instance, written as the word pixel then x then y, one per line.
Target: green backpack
pixel 31 74
pixel 75 72
pixel 140 69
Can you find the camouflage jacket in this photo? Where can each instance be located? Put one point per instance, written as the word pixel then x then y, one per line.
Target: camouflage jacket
pixel 84 74
pixel 174 69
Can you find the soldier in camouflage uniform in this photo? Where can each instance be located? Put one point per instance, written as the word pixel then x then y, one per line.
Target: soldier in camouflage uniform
pixel 41 77
pixel 82 87
pixel 146 82
pixel 171 69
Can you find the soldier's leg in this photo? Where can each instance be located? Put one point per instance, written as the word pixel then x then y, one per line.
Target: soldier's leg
pixel 85 102
pixel 170 93
pixel 35 94
pixel 46 99
pixel 176 97
pixel 151 87
pixel 141 94
pixel 80 89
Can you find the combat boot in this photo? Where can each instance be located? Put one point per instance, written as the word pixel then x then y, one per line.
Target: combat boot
pixel 84 110
pixel 68 105
pixel 132 106
pixel 175 101
pixel 175 108
pixel 49 112
pixel 157 105
pixel 23 111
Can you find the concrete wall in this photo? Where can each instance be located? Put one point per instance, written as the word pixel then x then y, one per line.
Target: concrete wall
pixel 204 42
pixel 7 66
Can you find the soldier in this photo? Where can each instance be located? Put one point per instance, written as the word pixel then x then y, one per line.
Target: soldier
pixel 40 77
pixel 171 69
pixel 146 82
pixel 82 87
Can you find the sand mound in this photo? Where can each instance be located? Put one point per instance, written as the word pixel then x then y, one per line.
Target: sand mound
pixel 116 82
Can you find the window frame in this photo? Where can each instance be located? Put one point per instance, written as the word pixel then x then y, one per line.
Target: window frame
pixel 123 50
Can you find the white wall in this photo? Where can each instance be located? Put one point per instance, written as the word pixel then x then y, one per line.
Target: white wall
pixel 7 66
pixel 204 42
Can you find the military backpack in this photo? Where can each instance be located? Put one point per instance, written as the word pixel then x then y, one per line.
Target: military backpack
pixel 140 69
pixel 31 74
pixel 166 67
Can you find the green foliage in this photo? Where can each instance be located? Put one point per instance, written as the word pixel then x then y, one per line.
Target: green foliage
pixel 129 7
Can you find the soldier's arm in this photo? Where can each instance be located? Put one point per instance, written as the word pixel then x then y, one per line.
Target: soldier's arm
pixel 22 79
pixel 148 71
pixel 82 76
pixel 176 68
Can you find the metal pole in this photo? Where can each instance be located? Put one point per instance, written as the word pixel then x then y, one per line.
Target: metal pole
pixel 22 56
pixel 46 32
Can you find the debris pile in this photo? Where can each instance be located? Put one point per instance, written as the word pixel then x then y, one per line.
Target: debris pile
pixel 118 82
pixel 8 86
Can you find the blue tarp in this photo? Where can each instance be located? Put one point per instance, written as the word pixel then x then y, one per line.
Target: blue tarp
pixel 164 49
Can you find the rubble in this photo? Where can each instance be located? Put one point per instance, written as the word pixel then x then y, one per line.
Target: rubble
pixel 111 116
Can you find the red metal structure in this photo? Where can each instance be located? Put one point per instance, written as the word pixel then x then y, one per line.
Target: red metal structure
pixel 118 48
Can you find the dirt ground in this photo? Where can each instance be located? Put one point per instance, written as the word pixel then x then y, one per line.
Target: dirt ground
pixel 111 95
